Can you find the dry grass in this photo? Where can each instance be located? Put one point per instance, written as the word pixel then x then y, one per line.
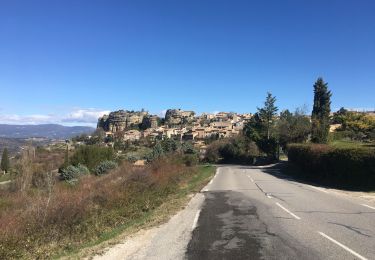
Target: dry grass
pixel 38 223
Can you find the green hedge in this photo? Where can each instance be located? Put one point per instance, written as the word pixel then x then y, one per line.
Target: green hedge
pixel 346 167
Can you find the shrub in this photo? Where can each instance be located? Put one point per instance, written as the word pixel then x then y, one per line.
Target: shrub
pixel 157 152
pixel 190 159
pixel 268 146
pixel 82 169
pixel 234 150
pixel 212 153
pixel 188 148
pixel 169 145
pixel 347 167
pixel 104 167
pixel 42 180
pixel 91 155
pixel 72 173
pixel 132 158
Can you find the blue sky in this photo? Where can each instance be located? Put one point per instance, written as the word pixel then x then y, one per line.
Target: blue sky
pixel 68 61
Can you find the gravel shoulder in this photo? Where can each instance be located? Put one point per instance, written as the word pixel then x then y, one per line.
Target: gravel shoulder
pixel 168 241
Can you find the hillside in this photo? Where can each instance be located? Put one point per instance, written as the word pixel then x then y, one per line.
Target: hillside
pixel 50 131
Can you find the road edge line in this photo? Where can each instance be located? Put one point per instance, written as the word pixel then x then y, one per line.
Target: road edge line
pixel 195 222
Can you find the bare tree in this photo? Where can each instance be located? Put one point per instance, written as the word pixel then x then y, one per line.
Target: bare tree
pixel 24 169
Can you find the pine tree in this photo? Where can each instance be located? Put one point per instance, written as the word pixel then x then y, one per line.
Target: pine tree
pixel 260 128
pixel 321 112
pixel 268 112
pixel 5 165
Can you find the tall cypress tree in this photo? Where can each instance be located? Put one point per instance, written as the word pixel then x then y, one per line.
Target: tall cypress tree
pixel 321 111
pixel 5 165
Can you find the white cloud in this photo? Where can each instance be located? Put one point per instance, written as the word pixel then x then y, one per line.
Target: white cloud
pixel 27 119
pixel 87 117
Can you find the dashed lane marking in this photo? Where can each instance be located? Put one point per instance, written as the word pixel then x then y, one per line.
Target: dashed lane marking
pixel 365 205
pixel 288 211
pixel 252 180
pixel 343 246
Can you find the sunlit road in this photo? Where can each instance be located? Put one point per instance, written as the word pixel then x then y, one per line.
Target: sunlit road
pixel 254 213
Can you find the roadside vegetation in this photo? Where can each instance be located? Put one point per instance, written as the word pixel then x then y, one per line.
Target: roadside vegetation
pixel 264 138
pixel 343 156
pixel 44 214
pixel 348 167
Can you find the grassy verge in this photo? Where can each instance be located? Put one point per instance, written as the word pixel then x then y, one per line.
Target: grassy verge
pixel 173 203
pixel 5 177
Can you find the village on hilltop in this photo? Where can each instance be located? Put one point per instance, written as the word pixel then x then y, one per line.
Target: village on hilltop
pixel 177 124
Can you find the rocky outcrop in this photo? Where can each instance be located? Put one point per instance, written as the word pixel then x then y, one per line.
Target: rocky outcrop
pixel 121 120
pixel 178 116
pixel 150 122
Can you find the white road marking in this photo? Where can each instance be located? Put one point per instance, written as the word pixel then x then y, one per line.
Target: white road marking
pixel 195 222
pixel 252 180
pixel 368 206
pixel 294 215
pixel 319 189
pixel 210 183
pixel 343 246
pixel 269 196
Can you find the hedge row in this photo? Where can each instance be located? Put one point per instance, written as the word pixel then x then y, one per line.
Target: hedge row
pixel 344 167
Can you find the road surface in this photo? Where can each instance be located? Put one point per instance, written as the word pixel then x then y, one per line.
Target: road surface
pixel 255 213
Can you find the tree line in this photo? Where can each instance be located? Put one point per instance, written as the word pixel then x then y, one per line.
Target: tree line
pixel 268 132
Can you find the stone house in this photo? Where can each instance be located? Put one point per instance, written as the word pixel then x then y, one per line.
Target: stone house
pixel 222 125
pixel 132 135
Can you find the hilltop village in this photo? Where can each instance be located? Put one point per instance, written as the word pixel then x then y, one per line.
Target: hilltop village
pixel 177 124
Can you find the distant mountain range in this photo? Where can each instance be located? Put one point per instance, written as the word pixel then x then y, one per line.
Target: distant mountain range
pixel 50 131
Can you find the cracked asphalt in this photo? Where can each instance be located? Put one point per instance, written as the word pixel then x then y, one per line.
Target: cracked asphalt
pixel 256 213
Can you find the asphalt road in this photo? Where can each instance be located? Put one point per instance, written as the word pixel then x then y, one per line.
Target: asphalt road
pixel 254 213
